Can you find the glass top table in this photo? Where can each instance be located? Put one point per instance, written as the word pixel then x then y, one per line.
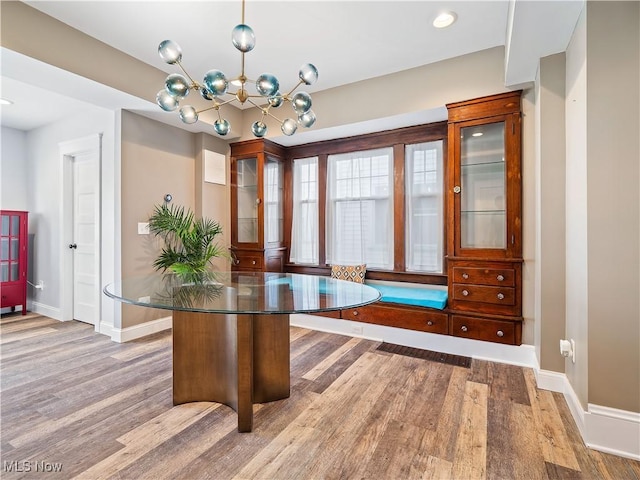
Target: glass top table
pixel 231 329
pixel 242 292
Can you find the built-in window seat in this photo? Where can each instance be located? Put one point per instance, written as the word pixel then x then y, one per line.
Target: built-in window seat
pixel 410 306
pixel 402 305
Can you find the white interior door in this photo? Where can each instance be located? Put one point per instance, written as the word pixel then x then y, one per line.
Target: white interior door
pixel 85 244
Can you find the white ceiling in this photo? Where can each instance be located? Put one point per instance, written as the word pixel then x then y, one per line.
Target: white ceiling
pixel 348 41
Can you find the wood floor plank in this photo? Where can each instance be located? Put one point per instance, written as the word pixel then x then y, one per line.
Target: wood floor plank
pixel 368 431
pixel 148 436
pixel 471 448
pixel 50 426
pixel 322 367
pixel 552 436
pixel 443 441
pixel 511 427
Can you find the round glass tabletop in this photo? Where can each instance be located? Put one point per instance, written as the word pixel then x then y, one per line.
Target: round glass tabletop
pixel 242 292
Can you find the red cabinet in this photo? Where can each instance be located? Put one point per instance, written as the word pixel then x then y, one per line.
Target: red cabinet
pixel 13 259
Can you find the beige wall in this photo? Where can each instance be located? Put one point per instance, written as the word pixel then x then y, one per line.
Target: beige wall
pixel 577 325
pixel 213 200
pixel 156 159
pixel 550 214
pixel 613 229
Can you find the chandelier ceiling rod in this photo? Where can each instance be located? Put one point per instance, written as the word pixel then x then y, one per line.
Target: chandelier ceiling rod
pixel 216 85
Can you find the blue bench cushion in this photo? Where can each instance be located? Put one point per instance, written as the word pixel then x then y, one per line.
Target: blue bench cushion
pixel 421 297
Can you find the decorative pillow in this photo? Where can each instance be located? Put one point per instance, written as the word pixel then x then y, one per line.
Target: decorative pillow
pixel 351 273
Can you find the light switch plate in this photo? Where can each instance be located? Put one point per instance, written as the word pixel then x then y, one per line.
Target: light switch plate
pixel 143 228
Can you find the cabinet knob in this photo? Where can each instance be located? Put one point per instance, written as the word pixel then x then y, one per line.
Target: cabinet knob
pixel 355 313
pixel 464 328
pixel 257 201
pixel 456 189
pixel 253 262
pixel 465 293
pixel 500 333
pixel 430 323
pixel 73 246
pixel 500 296
pixel 465 275
pixel 500 278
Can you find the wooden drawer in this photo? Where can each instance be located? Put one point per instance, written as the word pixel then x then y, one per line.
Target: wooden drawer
pixel 412 318
pixel 247 261
pixel 484 294
pixel 485 276
pixel 486 329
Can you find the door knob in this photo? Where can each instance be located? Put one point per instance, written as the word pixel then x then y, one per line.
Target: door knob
pixel 73 245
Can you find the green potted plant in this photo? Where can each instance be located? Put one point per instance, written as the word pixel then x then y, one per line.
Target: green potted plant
pixel 189 243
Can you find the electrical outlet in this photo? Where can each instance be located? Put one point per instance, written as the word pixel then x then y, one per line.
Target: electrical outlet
pixel 357 330
pixel 40 285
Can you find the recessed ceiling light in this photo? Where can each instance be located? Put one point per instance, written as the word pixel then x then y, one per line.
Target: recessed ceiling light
pixel 444 19
pixel 4 101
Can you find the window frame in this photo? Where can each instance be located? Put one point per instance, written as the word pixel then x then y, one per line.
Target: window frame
pixel 396 139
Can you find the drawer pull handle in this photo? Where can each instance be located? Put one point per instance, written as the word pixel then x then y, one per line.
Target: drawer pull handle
pixel 465 293
pixel 355 313
pixel 500 296
pixel 500 278
pixel 464 328
pixel 465 275
pixel 430 323
pixel 500 333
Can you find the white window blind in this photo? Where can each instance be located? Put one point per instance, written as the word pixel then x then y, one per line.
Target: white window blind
pixel 304 228
pixel 359 215
pixel 424 207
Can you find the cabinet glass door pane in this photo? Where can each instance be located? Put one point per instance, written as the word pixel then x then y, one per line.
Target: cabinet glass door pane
pixel 273 204
pixel 13 273
pixel 5 225
pixel 15 225
pixel 247 200
pixel 483 187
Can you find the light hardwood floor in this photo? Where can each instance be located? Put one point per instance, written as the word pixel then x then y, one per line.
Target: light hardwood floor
pixel 74 400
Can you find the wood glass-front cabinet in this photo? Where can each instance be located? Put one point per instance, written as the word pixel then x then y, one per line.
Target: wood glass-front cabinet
pixel 484 244
pixel 257 206
pixel 13 259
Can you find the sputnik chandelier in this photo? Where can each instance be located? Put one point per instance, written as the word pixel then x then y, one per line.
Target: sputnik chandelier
pixel 215 85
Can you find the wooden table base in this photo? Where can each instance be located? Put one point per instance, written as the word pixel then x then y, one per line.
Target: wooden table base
pixel 237 360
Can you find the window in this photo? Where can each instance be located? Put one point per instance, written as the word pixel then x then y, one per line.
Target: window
pixel 375 199
pixel 359 212
pixel 304 226
pixel 424 207
pixel 273 205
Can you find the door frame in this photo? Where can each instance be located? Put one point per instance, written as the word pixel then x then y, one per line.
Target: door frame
pixel 68 151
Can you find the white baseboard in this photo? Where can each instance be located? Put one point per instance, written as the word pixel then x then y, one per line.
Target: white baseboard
pixel 523 355
pixel 127 334
pixel 613 431
pixel 604 429
pixel 46 310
